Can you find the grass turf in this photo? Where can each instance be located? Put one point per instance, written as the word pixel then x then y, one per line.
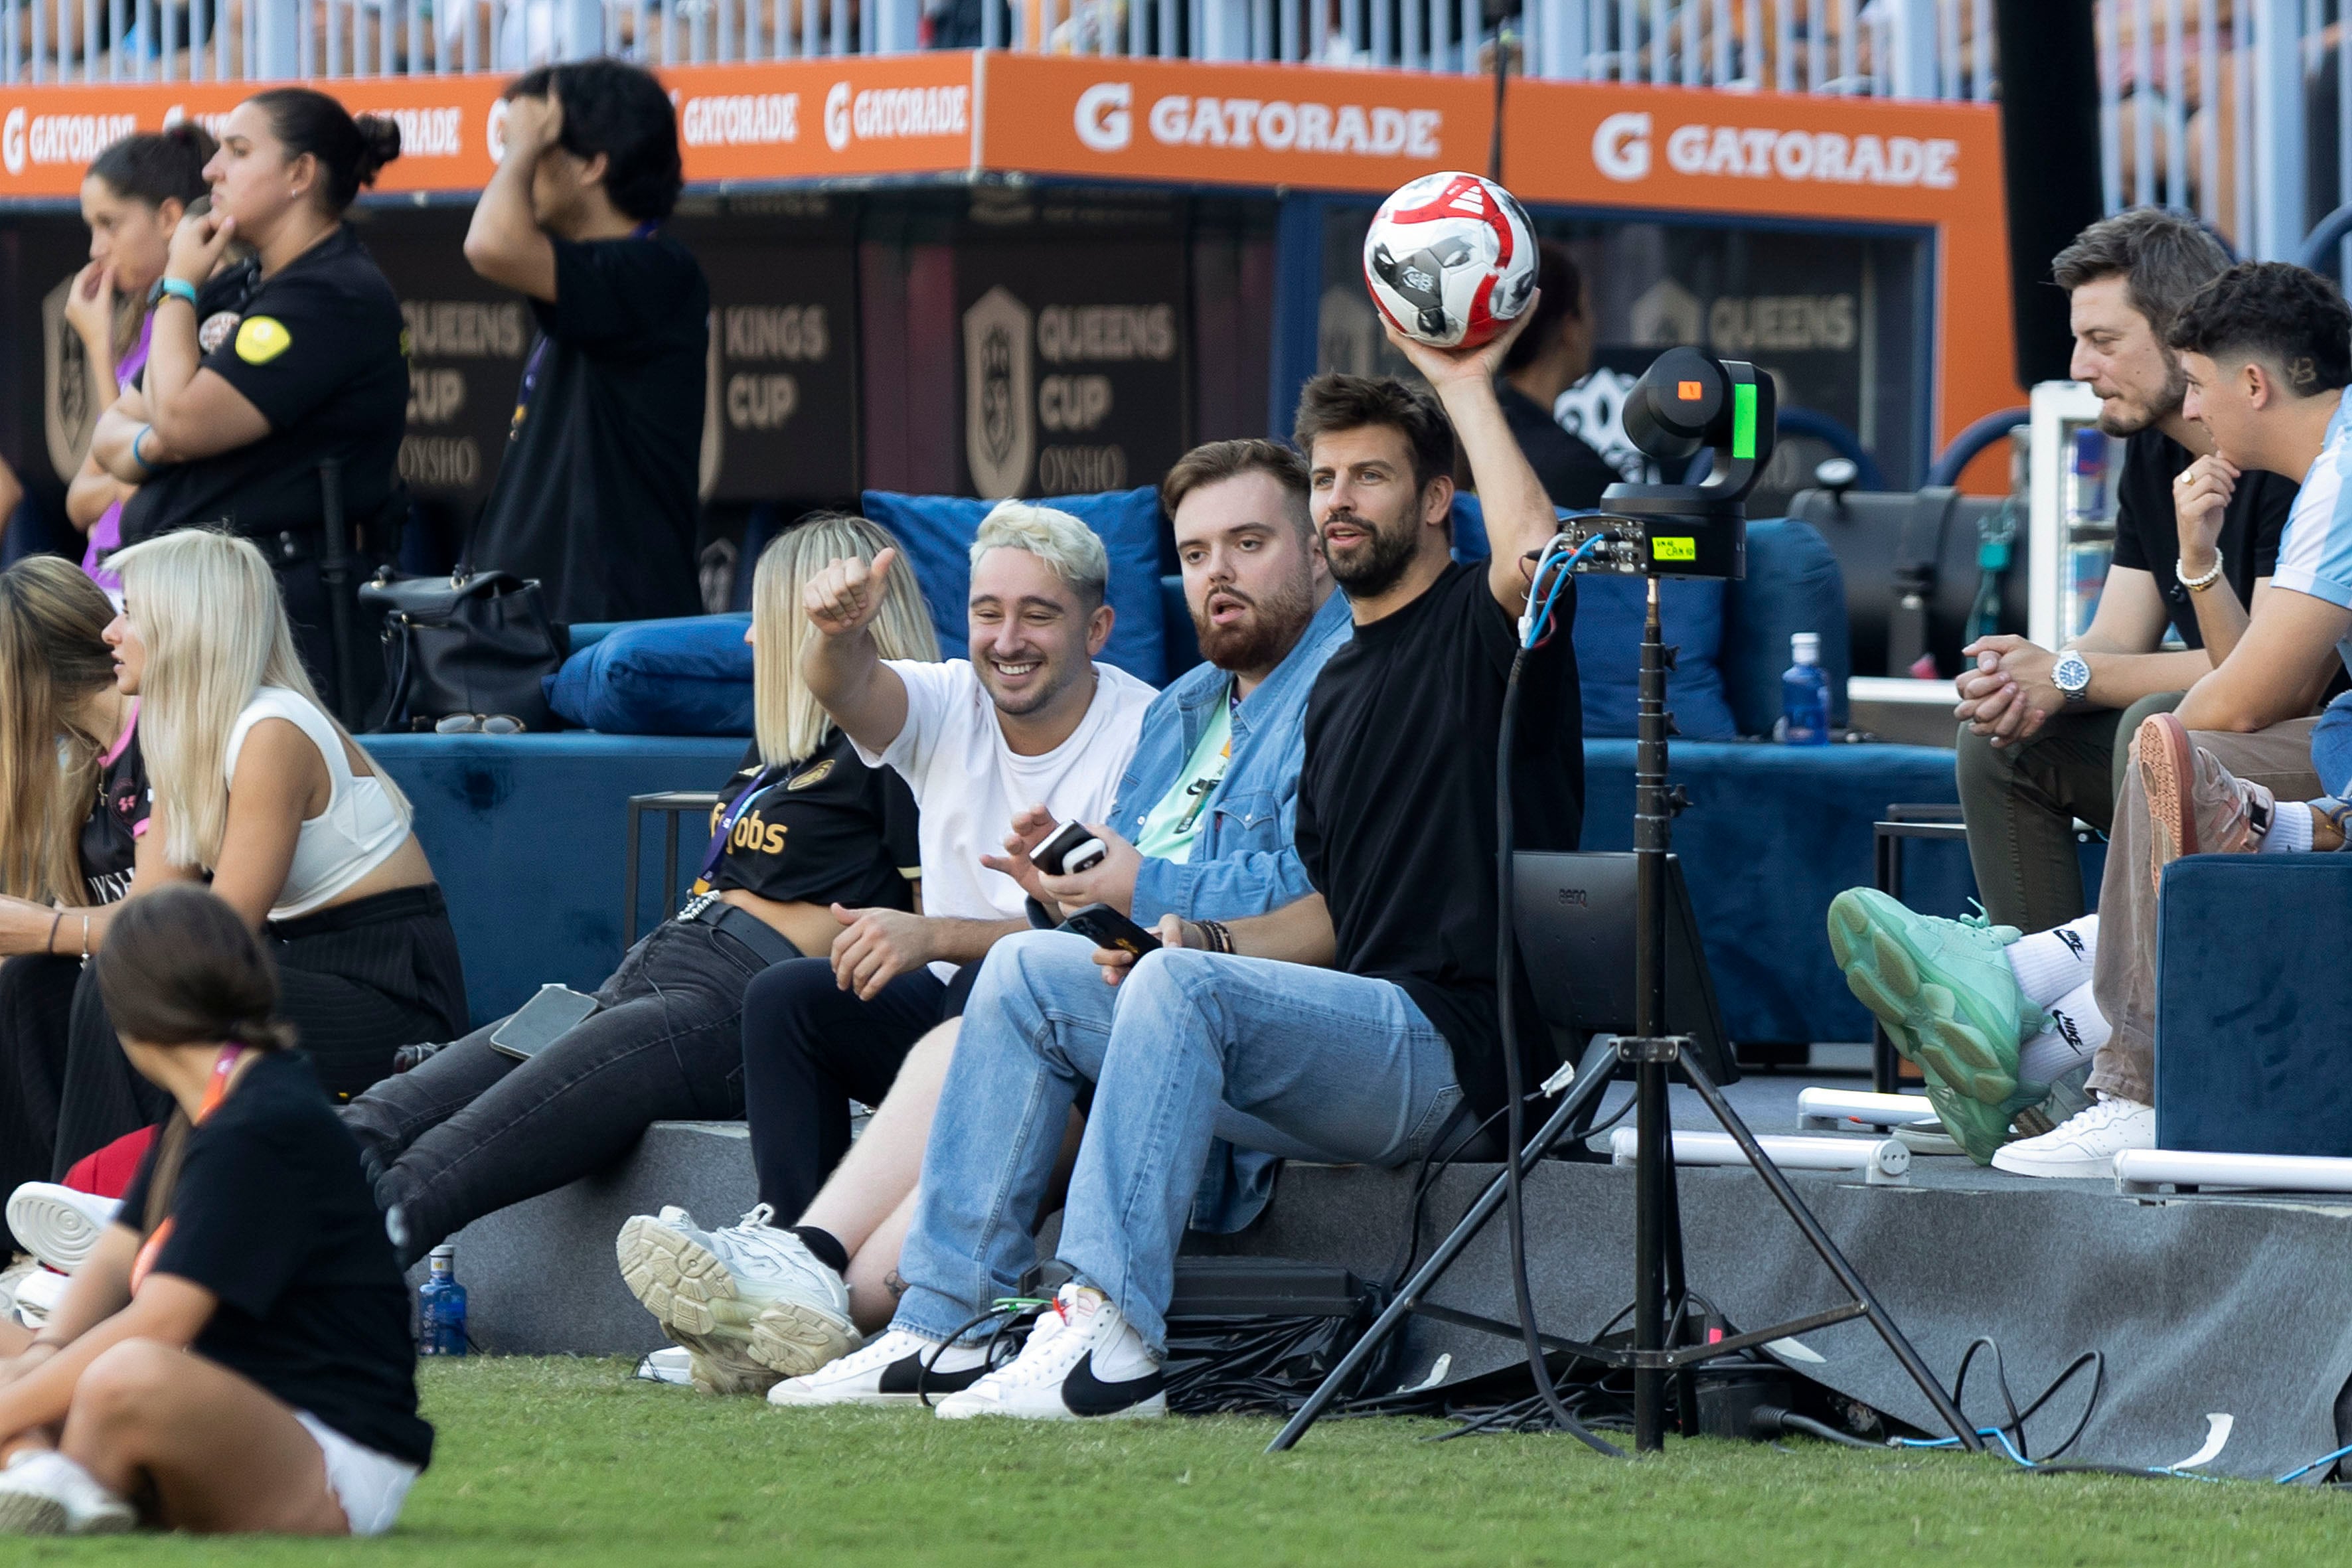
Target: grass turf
pixel 571 1463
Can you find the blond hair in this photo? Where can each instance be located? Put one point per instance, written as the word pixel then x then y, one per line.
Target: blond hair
pixel 205 605
pixel 787 718
pixel 52 658
pixel 1067 547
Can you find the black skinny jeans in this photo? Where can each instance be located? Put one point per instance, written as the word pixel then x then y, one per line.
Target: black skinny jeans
pixel 809 1049
pixel 37 1002
pixel 470 1130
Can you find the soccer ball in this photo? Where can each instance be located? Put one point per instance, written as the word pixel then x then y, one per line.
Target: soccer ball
pixel 1451 259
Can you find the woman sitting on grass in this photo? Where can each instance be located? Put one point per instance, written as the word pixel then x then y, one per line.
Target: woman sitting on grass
pixel 249 1238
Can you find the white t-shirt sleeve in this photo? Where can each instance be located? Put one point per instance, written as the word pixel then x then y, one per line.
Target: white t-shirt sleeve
pixel 938 696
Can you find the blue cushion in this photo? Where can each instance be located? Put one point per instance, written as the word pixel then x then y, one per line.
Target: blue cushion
pixel 937 533
pixel 1793 585
pixel 686 677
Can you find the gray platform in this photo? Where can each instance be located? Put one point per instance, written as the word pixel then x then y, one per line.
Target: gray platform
pixel 2203 1307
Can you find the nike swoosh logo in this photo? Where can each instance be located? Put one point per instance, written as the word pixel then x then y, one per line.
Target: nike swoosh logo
pixel 906 1375
pixel 1087 1395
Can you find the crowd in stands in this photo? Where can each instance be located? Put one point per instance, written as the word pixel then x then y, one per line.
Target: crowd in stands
pixel 200 868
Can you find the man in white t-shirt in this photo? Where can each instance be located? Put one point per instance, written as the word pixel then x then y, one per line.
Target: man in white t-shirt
pixel 1030 721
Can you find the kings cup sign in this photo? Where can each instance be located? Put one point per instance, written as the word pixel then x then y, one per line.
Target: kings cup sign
pixel 998 428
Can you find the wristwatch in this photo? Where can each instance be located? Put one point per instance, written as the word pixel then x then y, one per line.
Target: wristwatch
pixel 2072 676
pixel 171 288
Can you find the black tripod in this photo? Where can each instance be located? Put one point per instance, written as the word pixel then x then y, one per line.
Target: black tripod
pixel 1659 1290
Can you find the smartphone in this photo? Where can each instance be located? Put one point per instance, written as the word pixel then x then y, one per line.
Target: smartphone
pixel 539 1023
pixel 1071 848
pixel 1106 927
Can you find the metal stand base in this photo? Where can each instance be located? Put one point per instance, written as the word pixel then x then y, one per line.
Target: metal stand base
pixel 1659 1287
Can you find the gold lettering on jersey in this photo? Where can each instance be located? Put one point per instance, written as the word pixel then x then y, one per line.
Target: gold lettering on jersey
pixel 261 339
pixel 814 776
pixel 754 834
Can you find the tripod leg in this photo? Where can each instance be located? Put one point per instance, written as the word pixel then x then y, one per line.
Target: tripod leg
pixel 1587 1092
pixel 1820 1240
pixel 1678 1301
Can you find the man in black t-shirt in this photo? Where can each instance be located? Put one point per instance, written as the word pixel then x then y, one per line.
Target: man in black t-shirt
pixel 1553 355
pixel 597 498
pixel 1355 1025
pixel 2045 736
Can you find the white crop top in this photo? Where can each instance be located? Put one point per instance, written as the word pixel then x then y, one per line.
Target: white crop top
pixel 360 829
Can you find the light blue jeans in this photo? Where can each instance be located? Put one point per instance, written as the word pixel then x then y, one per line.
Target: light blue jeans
pixel 1304 1063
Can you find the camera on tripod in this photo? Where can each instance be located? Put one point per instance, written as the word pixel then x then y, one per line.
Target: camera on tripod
pixel 1686 403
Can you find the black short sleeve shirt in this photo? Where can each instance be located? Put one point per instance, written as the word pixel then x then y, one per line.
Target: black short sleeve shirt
pixel 596 496
pixel 318 349
pixel 111 832
pixel 825 830
pixel 2148 532
pixel 1571 473
pixel 272 1214
pixel 1396 806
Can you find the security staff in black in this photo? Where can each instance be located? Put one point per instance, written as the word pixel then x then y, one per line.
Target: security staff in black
pixel 265 373
pixel 596 496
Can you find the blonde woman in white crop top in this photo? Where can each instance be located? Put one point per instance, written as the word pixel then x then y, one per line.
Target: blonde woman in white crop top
pixel 255 784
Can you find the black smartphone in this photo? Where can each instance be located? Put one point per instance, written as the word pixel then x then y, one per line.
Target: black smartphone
pixel 1071 848
pixel 539 1023
pixel 1106 927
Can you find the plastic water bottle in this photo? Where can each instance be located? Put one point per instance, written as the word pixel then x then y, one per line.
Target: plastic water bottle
pixel 1805 694
pixel 441 1307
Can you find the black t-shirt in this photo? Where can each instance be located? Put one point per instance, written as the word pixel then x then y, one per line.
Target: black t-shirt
pixel 318 348
pixel 596 495
pixel 826 830
pixel 1573 473
pixel 2148 534
pixel 1396 805
pixel 110 833
pixel 272 1216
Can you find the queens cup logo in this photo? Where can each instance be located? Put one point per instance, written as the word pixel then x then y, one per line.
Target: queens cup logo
pixel 836 115
pixel 999 434
pixel 12 141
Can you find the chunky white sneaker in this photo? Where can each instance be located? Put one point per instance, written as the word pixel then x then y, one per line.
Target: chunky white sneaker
pixel 751 1302
pixel 890 1370
pixel 44 1493
pixel 57 1225
pixel 36 1296
pixel 2085 1144
pixel 1082 1361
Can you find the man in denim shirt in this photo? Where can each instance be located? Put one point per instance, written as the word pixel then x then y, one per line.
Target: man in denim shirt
pixel 1210 796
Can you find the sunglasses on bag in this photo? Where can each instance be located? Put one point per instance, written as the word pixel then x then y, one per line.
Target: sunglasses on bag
pixel 479 724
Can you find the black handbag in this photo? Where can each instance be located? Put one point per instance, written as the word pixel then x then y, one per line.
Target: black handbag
pixel 466 644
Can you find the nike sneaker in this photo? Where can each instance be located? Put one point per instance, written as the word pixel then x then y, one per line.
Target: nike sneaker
pixel 1082 1362
pixel 898 1368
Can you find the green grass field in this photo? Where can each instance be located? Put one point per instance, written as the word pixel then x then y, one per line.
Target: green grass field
pixel 570 1463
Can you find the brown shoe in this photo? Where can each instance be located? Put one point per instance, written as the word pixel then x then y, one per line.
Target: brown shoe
pixel 2194 805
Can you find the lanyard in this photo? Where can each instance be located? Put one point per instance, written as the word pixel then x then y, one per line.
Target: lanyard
pixel 645 230
pixel 726 829
pixel 216 1090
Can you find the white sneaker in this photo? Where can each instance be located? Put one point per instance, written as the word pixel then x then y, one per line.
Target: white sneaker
pixel 890 1370
pixel 57 1225
pixel 44 1493
pixel 1082 1360
pixel 2085 1144
pixel 751 1302
pixel 36 1296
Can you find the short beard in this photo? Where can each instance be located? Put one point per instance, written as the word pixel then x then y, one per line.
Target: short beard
pixel 2176 388
pixel 1262 639
pixel 1382 565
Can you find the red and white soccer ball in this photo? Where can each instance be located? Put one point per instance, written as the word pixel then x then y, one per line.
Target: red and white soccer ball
pixel 1451 259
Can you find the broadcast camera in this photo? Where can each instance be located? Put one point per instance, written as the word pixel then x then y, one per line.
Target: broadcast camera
pixel 1686 403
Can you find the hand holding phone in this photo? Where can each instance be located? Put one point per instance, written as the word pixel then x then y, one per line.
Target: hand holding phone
pixel 1072 848
pixel 1106 928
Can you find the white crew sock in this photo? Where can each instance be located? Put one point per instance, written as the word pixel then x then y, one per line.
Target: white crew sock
pixel 2077 1029
pixel 2050 963
pixel 2290 831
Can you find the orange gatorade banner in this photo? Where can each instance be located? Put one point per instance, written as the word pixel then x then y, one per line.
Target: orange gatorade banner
pixel 795 120
pixel 1236 125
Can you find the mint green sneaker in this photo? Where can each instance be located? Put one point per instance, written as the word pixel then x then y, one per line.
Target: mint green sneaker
pixel 1950 1003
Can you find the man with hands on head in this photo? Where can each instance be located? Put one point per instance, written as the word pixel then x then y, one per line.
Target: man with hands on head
pixel 596 496
pixel 1355 1023
pixel 1208 806
pixel 2045 735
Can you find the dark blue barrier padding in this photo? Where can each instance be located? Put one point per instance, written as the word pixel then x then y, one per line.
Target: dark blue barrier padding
pixel 2253 1008
pixel 526 834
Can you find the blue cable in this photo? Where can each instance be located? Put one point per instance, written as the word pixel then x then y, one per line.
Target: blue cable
pixel 1537 623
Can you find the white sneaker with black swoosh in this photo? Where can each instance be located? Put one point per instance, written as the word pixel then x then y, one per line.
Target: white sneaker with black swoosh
pixel 898 1368
pixel 1082 1361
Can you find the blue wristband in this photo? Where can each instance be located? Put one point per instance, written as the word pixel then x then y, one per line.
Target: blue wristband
pixel 172 288
pixel 139 440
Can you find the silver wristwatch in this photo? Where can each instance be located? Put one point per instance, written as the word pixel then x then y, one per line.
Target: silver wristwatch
pixel 2072 676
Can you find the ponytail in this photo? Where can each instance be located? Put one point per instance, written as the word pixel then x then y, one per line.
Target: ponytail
pixel 351 152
